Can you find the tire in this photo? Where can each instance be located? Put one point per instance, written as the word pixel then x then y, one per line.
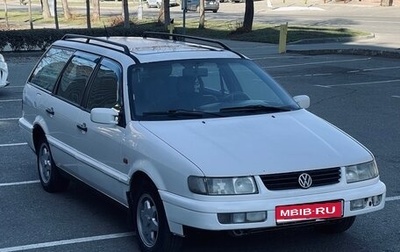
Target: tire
pixel 49 174
pixel 336 226
pixel 150 223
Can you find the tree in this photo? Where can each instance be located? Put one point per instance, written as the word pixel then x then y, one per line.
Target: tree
pixel 164 16
pixel 161 13
pixel 67 12
pixel 167 17
pixel 96 10
pixel 30 14
pixel 46 9
pixel 56 15
pixel 248 16
pixel 125 10
pixel 89 25
pixel 202 15
pixel 6 14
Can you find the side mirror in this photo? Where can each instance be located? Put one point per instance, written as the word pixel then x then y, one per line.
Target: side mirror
pixel 104 116
pixel 302 100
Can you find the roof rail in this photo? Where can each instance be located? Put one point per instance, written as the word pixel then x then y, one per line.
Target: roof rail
pixel 175 37
pixel 124 48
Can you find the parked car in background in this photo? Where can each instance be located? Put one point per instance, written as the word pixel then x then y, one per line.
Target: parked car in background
pixel 3 72
pixel 189 134
pixel 157 3
pixel 209 5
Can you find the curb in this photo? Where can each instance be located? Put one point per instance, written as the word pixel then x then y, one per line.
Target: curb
pixel 332 40
pixel 350 51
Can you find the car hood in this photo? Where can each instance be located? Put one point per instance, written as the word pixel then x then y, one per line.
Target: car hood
pixel 259 144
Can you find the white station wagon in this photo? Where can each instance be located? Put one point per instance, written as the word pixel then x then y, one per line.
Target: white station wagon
pixel 188 133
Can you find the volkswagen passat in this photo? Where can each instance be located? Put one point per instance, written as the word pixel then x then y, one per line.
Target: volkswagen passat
pixel 190 134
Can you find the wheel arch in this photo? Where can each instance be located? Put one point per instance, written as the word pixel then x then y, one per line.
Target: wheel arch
pixel 37 134
pixel 137 180
pixel 138 177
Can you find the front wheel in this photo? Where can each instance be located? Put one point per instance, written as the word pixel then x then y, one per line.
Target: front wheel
pixel 49 174
pixel 336 226
pixel 152 231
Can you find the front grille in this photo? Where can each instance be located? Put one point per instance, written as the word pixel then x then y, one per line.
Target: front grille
pixel 286 181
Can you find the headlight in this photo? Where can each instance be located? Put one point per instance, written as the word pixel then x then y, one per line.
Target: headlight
pixel 361 172
pixel 222 186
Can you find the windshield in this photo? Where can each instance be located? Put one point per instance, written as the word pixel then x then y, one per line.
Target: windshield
pixel 204 88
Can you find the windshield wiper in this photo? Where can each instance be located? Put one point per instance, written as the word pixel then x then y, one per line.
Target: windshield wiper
pixel 182 113
pixel 255 108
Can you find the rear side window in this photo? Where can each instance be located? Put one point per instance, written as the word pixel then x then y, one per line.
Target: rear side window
pixel 75 76
pixel 49 68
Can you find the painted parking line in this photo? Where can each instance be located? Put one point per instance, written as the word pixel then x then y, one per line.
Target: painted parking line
pixel 392 198
pixel 67 242
pixel 359 83
pixel 381 68
pixel 9 119
pixel 317 63
pixel 12 144
pixel 11 100
pixel 19 183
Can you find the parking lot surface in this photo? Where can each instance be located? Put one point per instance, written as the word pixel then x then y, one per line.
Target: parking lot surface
pixel 359 94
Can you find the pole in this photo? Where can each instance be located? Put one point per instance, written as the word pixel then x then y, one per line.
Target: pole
pixel 140 10
pixel 184 9
pixel 89 25
pixel 30 14
pixel 283 38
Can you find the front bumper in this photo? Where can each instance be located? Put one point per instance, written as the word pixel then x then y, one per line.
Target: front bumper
pixel 203 214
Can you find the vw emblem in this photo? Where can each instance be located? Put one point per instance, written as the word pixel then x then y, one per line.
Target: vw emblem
pixel 305 180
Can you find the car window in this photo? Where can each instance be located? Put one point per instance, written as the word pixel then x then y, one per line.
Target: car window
pixel 103 92
pixel 48 69
pixel 75 76
pixel 254 87
pixel 214 80
pixel 206 85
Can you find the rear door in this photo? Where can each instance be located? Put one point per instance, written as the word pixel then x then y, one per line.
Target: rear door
pixel 41 104
pixel 65 109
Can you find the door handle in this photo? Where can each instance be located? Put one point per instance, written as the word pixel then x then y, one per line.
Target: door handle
pixel 82 127
pixel 50 111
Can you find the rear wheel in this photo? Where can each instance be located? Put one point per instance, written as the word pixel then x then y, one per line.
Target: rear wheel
pixel 49 174
pixel 152 231
pixel 336 226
